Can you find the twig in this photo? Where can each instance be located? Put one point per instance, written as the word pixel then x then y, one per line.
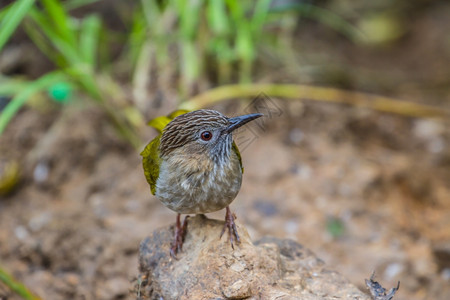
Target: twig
pixel 378 292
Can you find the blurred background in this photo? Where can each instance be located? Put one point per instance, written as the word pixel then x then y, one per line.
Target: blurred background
pixel 352 159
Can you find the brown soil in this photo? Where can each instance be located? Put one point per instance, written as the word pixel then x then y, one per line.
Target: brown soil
pixel 364 190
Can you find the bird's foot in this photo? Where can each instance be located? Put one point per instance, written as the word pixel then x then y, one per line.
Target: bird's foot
pixel 180 233
pixel 232 230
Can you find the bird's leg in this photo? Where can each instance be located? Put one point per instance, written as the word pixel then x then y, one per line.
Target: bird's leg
pixel 180 233
pixel 232 230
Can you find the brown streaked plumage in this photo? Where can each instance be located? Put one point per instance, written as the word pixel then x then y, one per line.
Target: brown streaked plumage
pixel 194 167
pixel 182 129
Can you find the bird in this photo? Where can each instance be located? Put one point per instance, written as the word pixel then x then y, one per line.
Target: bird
pixel 194 167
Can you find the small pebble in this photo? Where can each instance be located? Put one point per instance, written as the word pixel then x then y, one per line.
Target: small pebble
pixel 238 267
pixel 237 254
pixel 436 145
pixel 41 172
pixel 72 279
pixel 21 232
pixel 114 288
pixel 305 172
pixel 132 206
pixel 38 222
pixel 265 208
pixel 98 204
pixel 238 290
pixel 291 227
pixel 393 270
pixel 296 136
pixel 427 129
pixel 446 274
pixel 430 131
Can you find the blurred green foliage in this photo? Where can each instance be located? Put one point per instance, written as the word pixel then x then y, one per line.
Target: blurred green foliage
pixel 335 227
pixel 204 39
pixel 17 286
pixel 72 44
pixel 212 41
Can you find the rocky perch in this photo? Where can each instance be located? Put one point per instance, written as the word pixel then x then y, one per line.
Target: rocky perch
pixel 208 268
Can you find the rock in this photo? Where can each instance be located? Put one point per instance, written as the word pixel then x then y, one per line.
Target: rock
pixel 208 268
pixel 113 288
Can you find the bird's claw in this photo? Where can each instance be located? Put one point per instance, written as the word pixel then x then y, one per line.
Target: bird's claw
pixel 180 233
pixel 232 230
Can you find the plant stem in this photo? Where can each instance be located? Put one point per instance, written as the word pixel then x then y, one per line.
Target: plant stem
pixel 293 91
pixel 123 127
pixel 12 19
pixel 16 286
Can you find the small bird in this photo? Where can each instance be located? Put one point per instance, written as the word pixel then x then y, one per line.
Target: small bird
pixel 194 167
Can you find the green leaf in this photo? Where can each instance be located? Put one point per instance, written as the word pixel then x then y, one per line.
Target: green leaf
pixel 60 21
pixel 217 17
pixel 5 10
pixel 11 87
pixel 325 17
pixel 87 81
pixel 188 21
pixel 21 98
pixel 42 42
pixel 67 50
pixel 244 45
pixel 16 286
pixel 190 63
pixel 73 4
pixel 12 19
pixel 259 16
pixel 89 36
pixel 137 36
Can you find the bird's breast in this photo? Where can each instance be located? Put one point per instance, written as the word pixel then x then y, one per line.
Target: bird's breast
pixel 196 184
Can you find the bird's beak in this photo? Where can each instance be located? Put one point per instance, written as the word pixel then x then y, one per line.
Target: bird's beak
pixel 237 122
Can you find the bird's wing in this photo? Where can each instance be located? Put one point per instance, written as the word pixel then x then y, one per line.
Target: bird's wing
pixel 236 150
pixel 151 162
pixel 150 155
pixel 160 122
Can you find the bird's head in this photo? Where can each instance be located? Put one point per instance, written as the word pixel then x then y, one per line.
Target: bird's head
pixel 202 132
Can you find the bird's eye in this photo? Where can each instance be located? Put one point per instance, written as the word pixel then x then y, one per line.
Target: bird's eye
pixel 206 135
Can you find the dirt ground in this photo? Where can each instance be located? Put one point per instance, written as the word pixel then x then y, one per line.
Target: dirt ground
pixel 363 190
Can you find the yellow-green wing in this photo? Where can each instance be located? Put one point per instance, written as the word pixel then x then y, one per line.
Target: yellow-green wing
pixel 160 122
pixel 150 155
pixel 177 113
pixel 151 162
pixel 236 150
